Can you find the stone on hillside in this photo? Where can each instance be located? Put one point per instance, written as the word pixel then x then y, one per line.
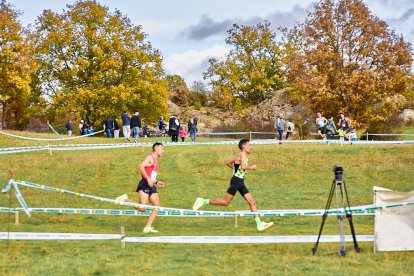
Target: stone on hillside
pixel 407 115
pixel 265 112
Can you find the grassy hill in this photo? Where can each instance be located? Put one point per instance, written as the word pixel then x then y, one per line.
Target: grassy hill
pixel 289 176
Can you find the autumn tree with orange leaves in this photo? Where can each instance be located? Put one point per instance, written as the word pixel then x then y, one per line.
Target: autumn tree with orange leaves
pixel 344 59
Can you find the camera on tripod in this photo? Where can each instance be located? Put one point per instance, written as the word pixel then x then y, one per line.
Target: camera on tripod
pixel 343 209
pixel 338 170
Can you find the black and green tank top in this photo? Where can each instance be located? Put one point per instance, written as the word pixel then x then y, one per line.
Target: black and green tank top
pixel 238 171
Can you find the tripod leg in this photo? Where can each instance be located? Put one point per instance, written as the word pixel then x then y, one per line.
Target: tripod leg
pixel 324 216
pixel 340 217
pixel 315 247
pixel 351 224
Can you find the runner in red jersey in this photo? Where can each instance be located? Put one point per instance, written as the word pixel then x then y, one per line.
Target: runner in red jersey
pixel 147 186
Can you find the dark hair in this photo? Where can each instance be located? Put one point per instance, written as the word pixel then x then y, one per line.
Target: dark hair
pixel 243 142
pixel 156 144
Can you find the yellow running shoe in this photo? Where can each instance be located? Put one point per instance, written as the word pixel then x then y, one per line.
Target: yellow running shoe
pixel 264 225
pixel 198 203
pixel 149 230
pixel 121 198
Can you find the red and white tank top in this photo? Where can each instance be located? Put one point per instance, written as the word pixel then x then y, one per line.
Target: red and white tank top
pixel 152 170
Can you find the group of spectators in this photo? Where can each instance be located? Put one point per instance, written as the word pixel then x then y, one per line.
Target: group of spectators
pixel 175 129
pixel 327 128
pixel 280 127
pixel 132 125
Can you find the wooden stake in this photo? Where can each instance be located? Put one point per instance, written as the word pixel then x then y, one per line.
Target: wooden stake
pixel 236 221
pixel 123 235
pixel 16 218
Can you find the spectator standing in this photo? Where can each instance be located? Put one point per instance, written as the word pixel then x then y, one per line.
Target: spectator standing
pixel 320 124
pixel 69 128
pixel 193 129
pixel 189 123
pixel 109 126
pixel 173 128
pixel 290 127
pixel 116 128
pixel 81 127
pixel 161 124
pixel 341 135
pixel 280 126
pixel 353 136
pixel 344 124
pixel 182 134
pixel 330 129
pixel 85 128
pixel 136 125
pixel 126 125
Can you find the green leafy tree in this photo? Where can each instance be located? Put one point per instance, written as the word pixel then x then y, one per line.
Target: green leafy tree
pixel 251 70
pixel 96 64
pixel 178 90
pixel 16 66
pixel 176 81
pixel 344 59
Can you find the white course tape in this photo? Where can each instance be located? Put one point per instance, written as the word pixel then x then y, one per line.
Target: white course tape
pixel 49 139
pixel 71 147
pixel 389 134
pixel 246 239
pixel 181 239
pixel 56 236
pixel 125 212
pixel 187 212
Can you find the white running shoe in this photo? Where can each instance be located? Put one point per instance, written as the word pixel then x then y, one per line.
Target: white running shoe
pixel 198 203
pixel 264 225
pixel 121 198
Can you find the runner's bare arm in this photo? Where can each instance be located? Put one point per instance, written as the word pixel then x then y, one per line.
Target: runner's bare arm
pixel 230 162
pixel 243 162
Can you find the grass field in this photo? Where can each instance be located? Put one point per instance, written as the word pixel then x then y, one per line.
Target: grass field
pixel 289 176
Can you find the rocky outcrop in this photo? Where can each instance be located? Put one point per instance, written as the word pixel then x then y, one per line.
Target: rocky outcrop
pixel 407 116
pixel 265 112
pixel 173 108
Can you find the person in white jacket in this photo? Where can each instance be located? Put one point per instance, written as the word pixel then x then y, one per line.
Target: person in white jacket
pixel 290 127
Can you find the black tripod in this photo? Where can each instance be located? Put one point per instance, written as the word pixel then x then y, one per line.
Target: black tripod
pixel 338 181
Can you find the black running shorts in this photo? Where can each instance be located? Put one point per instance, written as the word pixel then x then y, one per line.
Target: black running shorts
pixel 143 186
pixel 237 184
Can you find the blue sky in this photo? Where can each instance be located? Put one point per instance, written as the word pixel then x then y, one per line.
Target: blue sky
pixel 189 32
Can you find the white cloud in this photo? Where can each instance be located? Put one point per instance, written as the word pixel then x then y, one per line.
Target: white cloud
pixel 163 26
pixel 190 64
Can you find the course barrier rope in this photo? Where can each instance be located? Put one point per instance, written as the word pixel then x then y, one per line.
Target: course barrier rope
pixel 245 239
pixel 50 139
pixel 123 212
pixel 180 239
pixel 76 147
pixel 54 130
pixel 56 236
pixel 389 134
pixel 366 209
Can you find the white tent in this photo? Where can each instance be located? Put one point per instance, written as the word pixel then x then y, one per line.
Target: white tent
pixel 394 227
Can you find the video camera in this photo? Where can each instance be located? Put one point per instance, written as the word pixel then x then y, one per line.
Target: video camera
pixel 338 170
